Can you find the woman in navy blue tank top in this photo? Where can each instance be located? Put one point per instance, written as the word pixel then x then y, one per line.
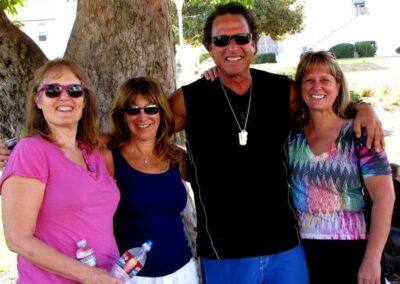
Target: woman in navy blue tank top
pixel 146 166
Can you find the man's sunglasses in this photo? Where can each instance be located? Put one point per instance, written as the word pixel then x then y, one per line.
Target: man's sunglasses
pixel 55 90
pixel 149 109
pixel 224 40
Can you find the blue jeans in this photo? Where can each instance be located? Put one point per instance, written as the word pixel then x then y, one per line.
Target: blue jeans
pixel 286 267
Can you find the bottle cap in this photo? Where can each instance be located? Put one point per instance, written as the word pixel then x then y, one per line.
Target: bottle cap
pixel 81 243
pixel 147 245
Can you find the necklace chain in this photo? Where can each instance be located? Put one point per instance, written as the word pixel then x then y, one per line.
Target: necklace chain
pixel 143 157
pixel 233 112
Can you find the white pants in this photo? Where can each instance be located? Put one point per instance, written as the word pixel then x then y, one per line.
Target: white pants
pixel 187 274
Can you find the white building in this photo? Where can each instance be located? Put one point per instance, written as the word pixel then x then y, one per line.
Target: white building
pixel 48 23
pixel 330 22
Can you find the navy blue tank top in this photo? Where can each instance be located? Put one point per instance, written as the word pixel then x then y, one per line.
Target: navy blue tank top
pixel 150 209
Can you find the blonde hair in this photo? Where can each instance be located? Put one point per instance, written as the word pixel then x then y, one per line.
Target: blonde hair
pixel 326 59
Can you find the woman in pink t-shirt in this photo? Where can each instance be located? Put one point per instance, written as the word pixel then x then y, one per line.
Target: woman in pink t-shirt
pixel 55 188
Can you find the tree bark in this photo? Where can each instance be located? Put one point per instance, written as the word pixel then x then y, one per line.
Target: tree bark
pixel 19 58
pixel 118 39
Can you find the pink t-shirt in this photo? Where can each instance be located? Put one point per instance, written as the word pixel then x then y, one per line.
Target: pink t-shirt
pixel 77 204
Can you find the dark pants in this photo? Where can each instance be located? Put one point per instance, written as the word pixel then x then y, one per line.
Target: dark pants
pixel 331 261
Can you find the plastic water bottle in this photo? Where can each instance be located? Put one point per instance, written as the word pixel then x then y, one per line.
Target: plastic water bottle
pixel 131 262
pixel 85 254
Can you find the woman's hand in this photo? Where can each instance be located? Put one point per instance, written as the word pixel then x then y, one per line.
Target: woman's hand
pixel 4 154
pixel 210 74
pixel 100 276
pixel 370 271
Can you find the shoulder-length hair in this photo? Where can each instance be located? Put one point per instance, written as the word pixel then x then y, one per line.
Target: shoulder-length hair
pixel 309 60
pixel 150 89
pixel 36 124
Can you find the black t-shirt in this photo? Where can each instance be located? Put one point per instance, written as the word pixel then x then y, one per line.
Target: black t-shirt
pixel 241 192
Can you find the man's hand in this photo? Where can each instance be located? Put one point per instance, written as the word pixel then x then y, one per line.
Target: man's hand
pixel 367 117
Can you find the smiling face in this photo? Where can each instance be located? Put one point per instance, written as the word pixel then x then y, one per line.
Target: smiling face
pixel 62 111
pixel 143 127
pixel 232 60
pixel 319 89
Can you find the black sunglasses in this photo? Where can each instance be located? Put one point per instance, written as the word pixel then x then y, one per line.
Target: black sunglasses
pixel 55 90
pixel 224 40
pixel 149 109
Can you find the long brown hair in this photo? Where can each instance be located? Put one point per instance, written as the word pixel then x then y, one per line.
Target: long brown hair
pixel 36 124
pixel 150 89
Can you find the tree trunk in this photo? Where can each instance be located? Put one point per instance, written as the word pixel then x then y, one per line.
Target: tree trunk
pixel 118 39
pixel 19 58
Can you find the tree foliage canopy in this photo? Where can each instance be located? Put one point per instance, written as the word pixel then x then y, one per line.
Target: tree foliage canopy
pixel 275 18
pixel 10 5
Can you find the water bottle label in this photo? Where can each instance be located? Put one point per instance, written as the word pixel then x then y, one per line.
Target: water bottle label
pixel 129 264
pixel 89 260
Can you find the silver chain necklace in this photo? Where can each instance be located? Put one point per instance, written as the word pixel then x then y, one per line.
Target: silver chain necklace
pixel 243 133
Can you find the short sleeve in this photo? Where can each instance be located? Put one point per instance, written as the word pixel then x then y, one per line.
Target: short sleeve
pixel 28 159
pixel 372 162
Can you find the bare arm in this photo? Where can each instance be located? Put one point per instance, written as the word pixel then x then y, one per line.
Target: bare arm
pixel 294 98
pixel 380 188
pixel 21 202
pixel 367 117
pixel 177 104
pixel 108 159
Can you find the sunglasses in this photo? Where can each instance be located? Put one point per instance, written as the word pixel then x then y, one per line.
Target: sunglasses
pixel 149 109
pixel 224 40
pixel 55 90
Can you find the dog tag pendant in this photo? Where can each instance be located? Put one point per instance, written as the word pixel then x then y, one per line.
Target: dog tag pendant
pixel 243 137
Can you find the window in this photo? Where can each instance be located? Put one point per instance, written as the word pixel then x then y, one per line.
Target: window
pixel 42 36
pixel 42 31
pixel 360 8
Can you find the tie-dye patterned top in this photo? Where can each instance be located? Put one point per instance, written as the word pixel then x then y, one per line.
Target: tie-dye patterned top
pixel 326 189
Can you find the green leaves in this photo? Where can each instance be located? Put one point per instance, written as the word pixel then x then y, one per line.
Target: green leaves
pixel 10 5
pixel 278 17
pixel 274 17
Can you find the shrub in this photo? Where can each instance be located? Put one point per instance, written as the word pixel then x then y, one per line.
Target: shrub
pixel 398 50
pixel 264 58
pixel 289 72
pixel 367 92
pixel 355 97
pixel 366 48
pixel 343 50
pixel 203 56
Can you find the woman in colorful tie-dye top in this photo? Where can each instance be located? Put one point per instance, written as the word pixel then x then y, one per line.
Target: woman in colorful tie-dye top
pixel 325 181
